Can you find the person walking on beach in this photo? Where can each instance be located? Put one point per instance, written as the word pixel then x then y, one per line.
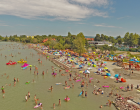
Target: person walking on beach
pixel 127 87
pixel 131 87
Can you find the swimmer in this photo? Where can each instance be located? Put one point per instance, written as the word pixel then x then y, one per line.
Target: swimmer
pixel 73 85
pixel 33 80
pixel 7 76
pixel 26 98
pixel 43 73
pixel 41 106
pixel 37 72
pixel 30 68
pixel 35 97
pixel 10 84
pixel 66 83
pixel 101 106
pixel 28 95
pixel 51 88
pixel 59 102
pixel 17 80
pixel 3 95
pixel 53 105
pixel 47 71
pixel 14 79
pixel 86 94
pixel 4 73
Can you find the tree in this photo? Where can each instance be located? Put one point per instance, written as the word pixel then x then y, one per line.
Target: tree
pixel 79 45
pixel 97 37
pixel 35 40
pixel 17 39
pixel 6 38
pixel 106 37
pixel 58 46
pixel 102 37
pixel 126 38
pixel 52 44
pixel 67 46
pixel 119 40
pixel 93 48
pixel 1 38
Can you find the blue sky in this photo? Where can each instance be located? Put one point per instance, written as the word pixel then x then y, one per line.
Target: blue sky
pixel 44 17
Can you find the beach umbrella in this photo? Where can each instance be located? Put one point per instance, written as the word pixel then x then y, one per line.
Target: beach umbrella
pixel 80 66
pixel 116 76
pixel 94 65
pixel 87 72
pixel 105 62
pixel 108 74
pixel 99 69
pixel 80 71
pixel 105 68
pixel 92 62
pixel 88 64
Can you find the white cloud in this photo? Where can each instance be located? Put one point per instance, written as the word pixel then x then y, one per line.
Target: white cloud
pixel 94 2
pixel 50 9
pixel 124 17
pixel 103 25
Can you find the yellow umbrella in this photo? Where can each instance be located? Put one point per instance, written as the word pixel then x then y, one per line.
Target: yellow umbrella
pixel 105 68
pixel 80 71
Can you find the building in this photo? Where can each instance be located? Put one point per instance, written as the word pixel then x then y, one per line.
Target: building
pixel 30 36
pixel 90 39
pixel 100 43
pixel 45 40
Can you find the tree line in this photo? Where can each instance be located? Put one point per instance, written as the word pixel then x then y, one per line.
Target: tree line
pixel 130 39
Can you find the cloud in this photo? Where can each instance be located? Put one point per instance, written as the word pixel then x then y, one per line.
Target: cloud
pixel 103 25
pixel 124 17
pixel 94 2
pixel 81 23
pixel 51 9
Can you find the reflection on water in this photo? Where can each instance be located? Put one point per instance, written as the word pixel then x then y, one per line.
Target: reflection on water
pixel 15 96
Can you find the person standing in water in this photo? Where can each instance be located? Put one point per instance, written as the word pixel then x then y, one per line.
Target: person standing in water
pixel 26 98
pixel 59 102
pixel 28 95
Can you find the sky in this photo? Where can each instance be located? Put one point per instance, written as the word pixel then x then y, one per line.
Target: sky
pixel 58 17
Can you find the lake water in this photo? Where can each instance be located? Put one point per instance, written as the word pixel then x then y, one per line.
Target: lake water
pixel 15 96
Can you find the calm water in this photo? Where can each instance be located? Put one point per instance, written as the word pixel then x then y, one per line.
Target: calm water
pixel 15 96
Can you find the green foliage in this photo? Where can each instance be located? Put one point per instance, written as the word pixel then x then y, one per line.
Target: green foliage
pixel 79 45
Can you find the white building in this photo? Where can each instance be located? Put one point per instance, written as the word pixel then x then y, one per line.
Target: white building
pixel 100 43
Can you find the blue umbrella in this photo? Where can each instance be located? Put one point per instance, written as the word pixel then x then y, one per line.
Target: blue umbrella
pixel 80 66
pixel 108 74
pixel 116 76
